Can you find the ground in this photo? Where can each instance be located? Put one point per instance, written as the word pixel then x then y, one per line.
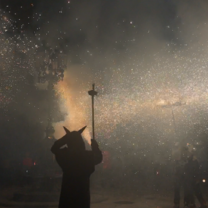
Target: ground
pixel 102 198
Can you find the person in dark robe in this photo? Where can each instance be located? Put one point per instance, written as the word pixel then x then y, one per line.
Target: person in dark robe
pixel 77 165
pixel 179 177
pixel 192 186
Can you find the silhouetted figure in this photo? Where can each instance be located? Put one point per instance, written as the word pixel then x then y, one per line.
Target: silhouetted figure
pixel 178 181
pixel 192 183
pixel 187 176
pixel 77 165
pixel 179 176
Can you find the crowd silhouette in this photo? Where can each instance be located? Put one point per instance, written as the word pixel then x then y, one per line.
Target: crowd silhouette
pixel 187 176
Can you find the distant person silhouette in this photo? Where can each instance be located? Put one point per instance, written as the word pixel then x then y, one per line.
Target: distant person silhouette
pixel 77 165
pixel 192 186
pixel 188 175
pixel 179 177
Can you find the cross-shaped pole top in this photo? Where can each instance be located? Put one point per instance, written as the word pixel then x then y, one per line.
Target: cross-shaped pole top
pixel 92 92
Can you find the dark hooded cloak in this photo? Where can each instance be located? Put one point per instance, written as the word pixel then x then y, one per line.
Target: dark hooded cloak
pixel 77 165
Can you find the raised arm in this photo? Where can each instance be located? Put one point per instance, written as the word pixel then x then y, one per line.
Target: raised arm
pixel 58 144
pixel 97 154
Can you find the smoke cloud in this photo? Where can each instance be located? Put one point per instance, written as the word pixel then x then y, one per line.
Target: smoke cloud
pixel 143 48
pixel 139 54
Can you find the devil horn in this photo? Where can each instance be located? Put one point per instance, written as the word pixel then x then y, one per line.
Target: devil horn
pixel 66 130
pixel 81 130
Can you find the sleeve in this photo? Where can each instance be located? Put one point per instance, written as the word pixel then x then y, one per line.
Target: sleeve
pixel 97 154
pixel 58 144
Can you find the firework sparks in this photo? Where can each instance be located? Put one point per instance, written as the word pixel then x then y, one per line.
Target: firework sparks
pixel 133 88
pixel 137 96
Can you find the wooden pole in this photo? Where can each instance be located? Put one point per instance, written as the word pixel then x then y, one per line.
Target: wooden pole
pixel 93 93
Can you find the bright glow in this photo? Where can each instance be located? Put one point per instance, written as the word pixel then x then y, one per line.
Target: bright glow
pixel 73 104
pixel 204 181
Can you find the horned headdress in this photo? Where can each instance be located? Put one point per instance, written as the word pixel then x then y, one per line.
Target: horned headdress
pixel 74 138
